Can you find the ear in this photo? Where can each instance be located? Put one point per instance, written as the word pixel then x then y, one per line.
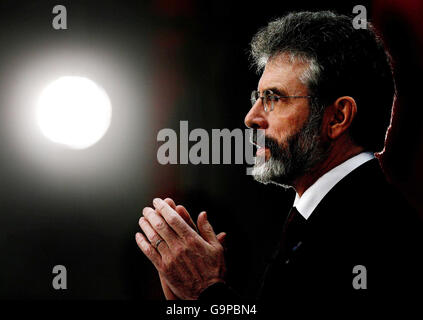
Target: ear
pixel 341 116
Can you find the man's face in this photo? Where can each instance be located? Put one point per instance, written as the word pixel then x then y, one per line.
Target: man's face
pixel 292 132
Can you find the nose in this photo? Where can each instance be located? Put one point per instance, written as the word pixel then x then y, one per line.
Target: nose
pixel 256 117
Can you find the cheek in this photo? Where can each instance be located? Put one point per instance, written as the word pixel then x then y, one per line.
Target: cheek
pixel 284 125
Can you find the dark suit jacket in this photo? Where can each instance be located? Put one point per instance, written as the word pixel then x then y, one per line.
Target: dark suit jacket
pixel 362 221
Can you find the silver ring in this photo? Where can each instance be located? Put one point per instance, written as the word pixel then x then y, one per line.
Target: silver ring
pixel 158 243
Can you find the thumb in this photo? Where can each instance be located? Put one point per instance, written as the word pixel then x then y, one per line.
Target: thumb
pixel 205 228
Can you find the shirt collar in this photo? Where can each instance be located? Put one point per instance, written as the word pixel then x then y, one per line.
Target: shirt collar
pixel 317 191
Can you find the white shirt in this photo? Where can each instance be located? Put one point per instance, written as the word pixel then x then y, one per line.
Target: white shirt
pixel 317 191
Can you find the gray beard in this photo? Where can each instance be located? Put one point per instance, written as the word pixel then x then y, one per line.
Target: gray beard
pixel 297 154
pixel 271 171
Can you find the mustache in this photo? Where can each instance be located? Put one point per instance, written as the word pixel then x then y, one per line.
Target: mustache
pixel 257 140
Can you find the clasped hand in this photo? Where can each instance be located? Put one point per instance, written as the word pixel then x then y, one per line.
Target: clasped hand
pixel 187 259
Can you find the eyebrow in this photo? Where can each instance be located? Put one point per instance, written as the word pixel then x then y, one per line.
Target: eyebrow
pixel 280 92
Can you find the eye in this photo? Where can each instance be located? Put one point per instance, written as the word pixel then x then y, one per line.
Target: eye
pixel 254 97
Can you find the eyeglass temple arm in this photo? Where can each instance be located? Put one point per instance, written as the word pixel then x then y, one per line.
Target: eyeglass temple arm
pixel 294 96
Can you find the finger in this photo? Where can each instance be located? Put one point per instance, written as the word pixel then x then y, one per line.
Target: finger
pixel 174 220
pixel 182 212
pixel 160 225
pixel 153 237
pixel 205 228
pixel 186 216
pixel 171 203
pixel 221 237
pixel 148 250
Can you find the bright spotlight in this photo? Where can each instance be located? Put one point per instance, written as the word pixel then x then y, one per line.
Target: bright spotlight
pixel 74 111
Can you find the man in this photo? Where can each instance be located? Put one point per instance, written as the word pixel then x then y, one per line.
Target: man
pixel 324 100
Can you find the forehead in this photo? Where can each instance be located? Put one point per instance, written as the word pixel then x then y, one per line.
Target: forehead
pixel 283 73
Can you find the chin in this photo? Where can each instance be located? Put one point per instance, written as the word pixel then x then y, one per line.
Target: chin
pixel 272 171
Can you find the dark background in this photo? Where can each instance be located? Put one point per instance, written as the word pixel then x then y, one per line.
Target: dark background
pixel 160 62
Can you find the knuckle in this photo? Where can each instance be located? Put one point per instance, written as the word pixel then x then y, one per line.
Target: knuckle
pixel 181 250
pixel 190 241
pixel 159 225
pixel 148 251
pixel 168 264
pixel 178 250
pixel 173 219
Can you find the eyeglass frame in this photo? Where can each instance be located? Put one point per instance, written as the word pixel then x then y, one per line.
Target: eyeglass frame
pixel 264 98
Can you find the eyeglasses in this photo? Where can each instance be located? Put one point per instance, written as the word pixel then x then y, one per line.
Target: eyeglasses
pixel 269 98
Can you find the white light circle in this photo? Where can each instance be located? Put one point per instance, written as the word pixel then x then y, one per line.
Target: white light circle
pixel 74 111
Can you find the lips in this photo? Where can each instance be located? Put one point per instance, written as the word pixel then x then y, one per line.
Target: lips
pixel 260 150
